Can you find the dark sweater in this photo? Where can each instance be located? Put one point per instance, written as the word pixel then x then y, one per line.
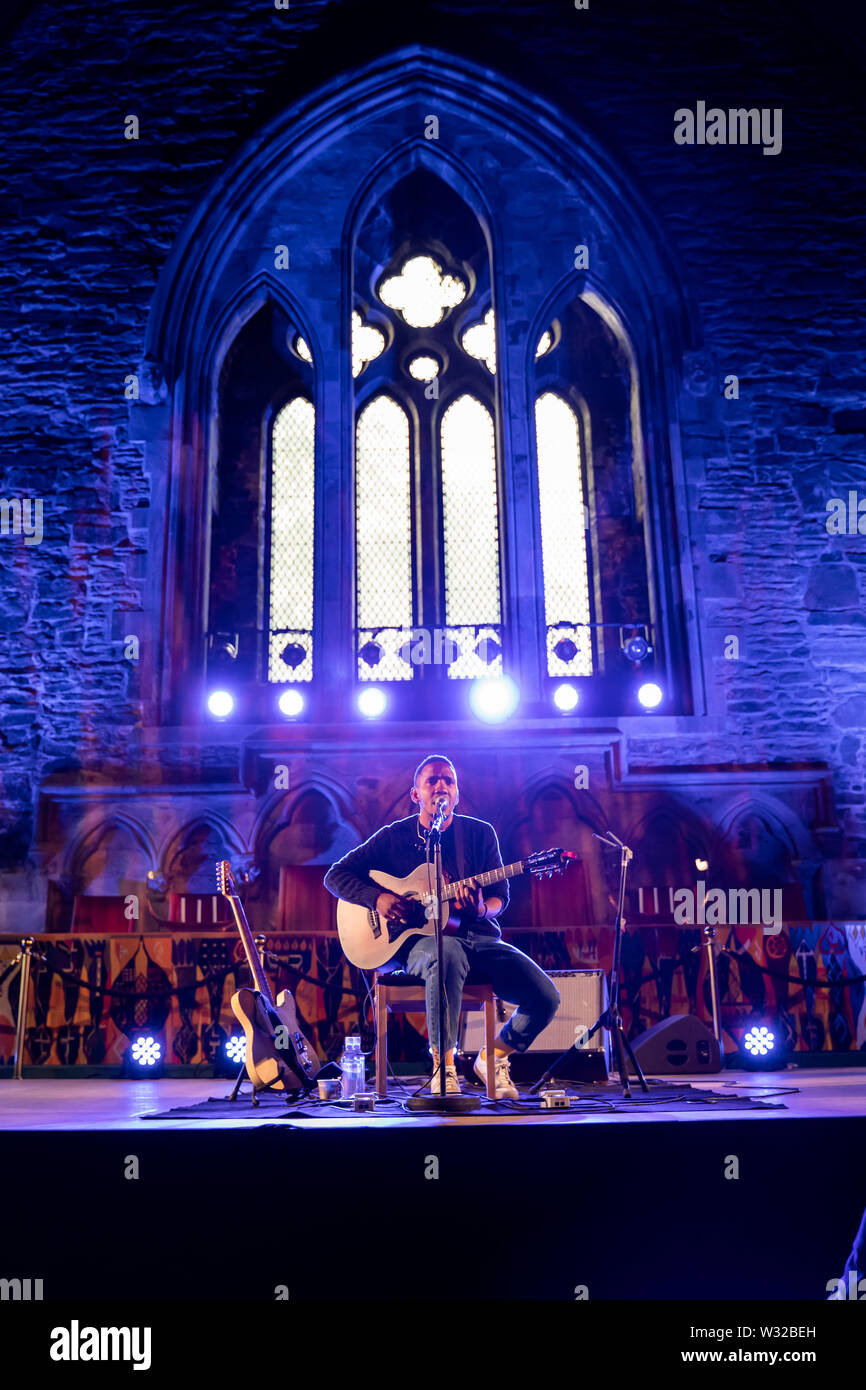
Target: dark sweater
pixel 397 849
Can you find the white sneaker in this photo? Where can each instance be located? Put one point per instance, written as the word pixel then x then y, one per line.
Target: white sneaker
pixel 452 1082
pixel 505 1087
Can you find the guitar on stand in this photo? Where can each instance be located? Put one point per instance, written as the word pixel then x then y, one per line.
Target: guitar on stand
pixel 278 1057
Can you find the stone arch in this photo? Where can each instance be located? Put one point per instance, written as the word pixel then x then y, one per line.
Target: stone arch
pixel 298 835
pixel 304 826
pixel 554 815
pixel 189 859
pixel 265 196
pixel 93 860
pixel 667 839
pixel 762 841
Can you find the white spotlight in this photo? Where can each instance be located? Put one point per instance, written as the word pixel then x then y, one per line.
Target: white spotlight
pixel 220 703
pixel 291 702
pixel 565 697
pixel 650 695
pixel 494 699
pixel 372 702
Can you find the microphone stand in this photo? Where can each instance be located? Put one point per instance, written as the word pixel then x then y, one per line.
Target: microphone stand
pixel 441 1104
pixel 610 1017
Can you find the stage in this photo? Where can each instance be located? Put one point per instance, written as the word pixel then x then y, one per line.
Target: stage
pixel 662 1202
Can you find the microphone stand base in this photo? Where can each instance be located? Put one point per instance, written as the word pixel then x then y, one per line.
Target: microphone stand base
pixel 444 1105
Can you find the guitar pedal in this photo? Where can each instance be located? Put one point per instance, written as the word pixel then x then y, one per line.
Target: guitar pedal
pixel 363 1102
pixel 554 1100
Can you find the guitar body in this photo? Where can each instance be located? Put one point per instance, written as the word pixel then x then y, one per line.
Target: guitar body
pixel 370 940
pixel 268 1065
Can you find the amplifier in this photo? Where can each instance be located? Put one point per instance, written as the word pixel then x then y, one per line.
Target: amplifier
pixel 584 997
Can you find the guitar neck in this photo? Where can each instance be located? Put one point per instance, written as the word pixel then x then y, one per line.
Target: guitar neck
pixel 260 979
pixel 491 876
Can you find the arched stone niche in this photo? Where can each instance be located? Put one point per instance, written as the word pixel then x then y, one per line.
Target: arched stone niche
pixel 111 859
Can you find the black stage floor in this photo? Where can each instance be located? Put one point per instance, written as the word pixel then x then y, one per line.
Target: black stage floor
pixel 101 1203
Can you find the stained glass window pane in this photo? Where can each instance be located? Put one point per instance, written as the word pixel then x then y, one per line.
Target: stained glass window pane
pixel 290 644
pixel 423 368
pixel 471 531
pixel 383 540
pixel 421 293
pixel 563 538
pixel 480 341
pixel 367 344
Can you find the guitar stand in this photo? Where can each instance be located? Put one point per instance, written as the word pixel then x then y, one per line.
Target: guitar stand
pixel 288 1096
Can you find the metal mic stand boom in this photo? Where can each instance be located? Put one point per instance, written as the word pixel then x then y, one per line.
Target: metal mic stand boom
pixel 442 1103
pixel 610 1018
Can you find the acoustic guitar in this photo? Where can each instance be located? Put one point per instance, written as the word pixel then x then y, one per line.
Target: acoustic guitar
pixel 279 1057
pixel 370 940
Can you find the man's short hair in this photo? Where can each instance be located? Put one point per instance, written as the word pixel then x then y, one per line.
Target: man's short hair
pixel 433 758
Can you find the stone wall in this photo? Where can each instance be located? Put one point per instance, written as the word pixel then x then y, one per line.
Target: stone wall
pixel 768 249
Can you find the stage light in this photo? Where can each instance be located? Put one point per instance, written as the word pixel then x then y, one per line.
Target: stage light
pixel 494 699
pixel 372 702
pixel 702 865
pixel 291 702
pixel 650 695
pixel 565 697
pixel 144 1056
pixel 146 1051
pixel 758 1042
pixel 220 703
pixel 636 649
pixel 236 1048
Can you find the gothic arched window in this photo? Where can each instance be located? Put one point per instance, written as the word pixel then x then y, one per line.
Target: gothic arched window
pixel 420 309
pixel 428 566
pixel 563 538
pixel 291 542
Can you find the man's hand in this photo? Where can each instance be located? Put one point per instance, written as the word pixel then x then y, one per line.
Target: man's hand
pixel 469 901
pixel 393 907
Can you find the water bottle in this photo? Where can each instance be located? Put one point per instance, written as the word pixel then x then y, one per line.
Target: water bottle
pixel 352 1066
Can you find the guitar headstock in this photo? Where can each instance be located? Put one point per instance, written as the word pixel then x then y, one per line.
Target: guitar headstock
pixel 225 879
pixel 546 862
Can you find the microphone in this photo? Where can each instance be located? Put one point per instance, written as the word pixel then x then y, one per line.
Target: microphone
pixel 441 813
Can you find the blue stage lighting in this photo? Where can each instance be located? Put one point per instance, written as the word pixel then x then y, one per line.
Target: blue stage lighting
pixel 565 697
pixel 145 1051
pixel 372 702
pixel 650 695
pixel 758 1042
pixel 220 703
pixel 291 702
pixel 494 699
pixel 236 1048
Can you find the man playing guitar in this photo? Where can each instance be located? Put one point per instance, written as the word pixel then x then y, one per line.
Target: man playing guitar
pixel 476 952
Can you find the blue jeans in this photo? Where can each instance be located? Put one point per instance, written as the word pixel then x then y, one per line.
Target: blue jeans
pixel 483 959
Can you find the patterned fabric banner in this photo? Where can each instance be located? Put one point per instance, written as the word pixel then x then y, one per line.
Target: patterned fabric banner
pixel 186 981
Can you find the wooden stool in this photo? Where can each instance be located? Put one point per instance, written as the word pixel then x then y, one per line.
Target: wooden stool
pixel 396 992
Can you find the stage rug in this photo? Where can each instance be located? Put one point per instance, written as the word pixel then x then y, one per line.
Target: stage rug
pixel 605 1099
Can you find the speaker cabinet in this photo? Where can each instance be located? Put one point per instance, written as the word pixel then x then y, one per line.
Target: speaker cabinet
pixel 680 1044
pixel 584 996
